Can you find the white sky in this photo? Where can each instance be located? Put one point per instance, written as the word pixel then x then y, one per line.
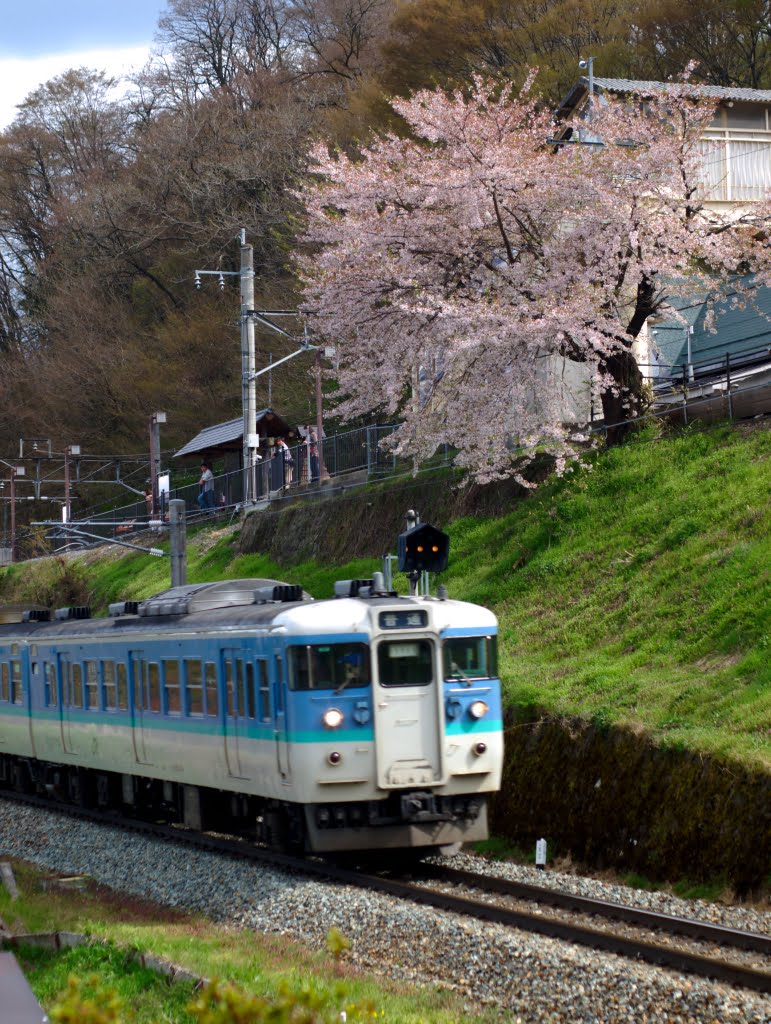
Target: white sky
pixel 43 38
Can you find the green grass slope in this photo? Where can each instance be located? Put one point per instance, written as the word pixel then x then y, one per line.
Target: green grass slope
pixel 637 591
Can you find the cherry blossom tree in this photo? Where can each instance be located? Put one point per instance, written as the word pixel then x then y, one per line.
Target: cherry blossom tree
pixel 460 270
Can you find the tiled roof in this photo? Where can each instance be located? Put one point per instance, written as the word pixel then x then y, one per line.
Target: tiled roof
pixel 720 92
pixel 233 430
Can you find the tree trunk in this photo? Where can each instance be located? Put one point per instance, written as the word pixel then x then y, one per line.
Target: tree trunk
pixel 624 402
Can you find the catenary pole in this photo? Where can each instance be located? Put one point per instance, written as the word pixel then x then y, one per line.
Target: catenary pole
pixel 249 401
pixel 178 542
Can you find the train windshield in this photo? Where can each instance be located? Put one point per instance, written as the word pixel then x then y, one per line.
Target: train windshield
pixel 329 667
pixel 470 657
pixel 405 662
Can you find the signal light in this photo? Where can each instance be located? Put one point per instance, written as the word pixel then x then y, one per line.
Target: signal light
pixel 423 549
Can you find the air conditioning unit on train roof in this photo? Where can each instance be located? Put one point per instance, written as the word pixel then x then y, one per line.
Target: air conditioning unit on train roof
pixel 201 597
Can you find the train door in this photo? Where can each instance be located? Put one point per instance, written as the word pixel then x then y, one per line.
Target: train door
pixel 66 685
pixel 407 718
pixel 138 703
pixel 238 673
pixel 281 726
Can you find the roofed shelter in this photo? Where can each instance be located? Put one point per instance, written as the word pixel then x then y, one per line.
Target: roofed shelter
pixel 227 439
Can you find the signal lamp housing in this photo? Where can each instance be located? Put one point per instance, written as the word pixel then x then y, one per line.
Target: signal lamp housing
pixel 423 549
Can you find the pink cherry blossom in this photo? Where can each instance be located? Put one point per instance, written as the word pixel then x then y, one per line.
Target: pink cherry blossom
pixel 458 269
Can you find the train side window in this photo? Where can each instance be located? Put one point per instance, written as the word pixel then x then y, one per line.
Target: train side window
pixel 139 676
pixel 121 679
pixel 92 685
pixel 153 686
pixel 76 685
pixel 264 682
pixel 230 688
pixel 194 680
pixel 241 683
pixel 250 701
pixel 49 684
pixel 279 685
pixel 4 682
pixel 108 682
pixel 171 686
pixel 16 694
pixel 212 704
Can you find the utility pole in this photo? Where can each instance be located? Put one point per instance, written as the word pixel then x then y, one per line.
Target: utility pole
pixel 588 65
pixel 72 449
pixel 178 542
pixel 249 386
pixel 319 419
pixel 155 455
pixel 15 471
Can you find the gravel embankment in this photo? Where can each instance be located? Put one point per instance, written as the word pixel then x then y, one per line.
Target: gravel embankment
pixel 532 979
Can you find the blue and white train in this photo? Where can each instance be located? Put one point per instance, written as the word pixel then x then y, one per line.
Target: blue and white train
pixel 364 722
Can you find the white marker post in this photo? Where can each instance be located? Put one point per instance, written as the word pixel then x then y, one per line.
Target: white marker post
pixel 540 854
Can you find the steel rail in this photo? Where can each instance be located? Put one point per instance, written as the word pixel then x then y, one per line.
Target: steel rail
pixel 651 919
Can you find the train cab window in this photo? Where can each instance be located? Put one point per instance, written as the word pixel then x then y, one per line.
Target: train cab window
pixel 470 657
pixel 92 685
pixel 405 662
pixel 329 667
pixel 212 704
pixel 16 694
pixel 171 687
pixel 5 682
pixel 194 684
pixel 264 694
pixel 49 684
pixel 121 682
pixel 108 682
pixel 153 686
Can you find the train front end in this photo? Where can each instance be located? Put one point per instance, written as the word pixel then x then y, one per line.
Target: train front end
pixel 397 718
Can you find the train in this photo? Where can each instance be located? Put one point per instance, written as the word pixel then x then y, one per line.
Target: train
pixel 363 722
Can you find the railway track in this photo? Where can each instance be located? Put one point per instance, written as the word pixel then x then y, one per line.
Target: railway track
pixel 508 903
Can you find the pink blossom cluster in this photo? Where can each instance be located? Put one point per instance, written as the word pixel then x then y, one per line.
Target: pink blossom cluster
pixel 459 268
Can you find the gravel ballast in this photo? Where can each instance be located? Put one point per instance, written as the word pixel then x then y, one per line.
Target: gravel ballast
pixel 531 978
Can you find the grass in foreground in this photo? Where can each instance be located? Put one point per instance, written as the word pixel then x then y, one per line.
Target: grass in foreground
pixel 261 965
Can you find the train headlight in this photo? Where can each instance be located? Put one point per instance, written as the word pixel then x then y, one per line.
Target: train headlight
pixel 478 709
pixel 333 718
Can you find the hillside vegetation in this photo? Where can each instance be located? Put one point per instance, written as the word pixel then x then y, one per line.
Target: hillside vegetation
pixel 633 591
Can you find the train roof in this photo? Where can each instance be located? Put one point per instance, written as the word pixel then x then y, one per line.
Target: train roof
pixel 236 605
